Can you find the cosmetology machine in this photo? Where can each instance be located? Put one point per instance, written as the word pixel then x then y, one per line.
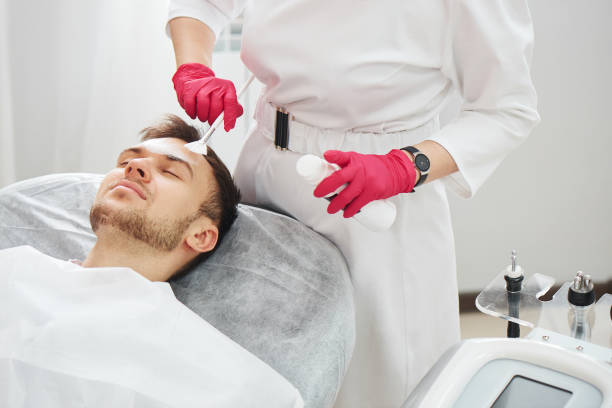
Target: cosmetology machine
pixel 565 361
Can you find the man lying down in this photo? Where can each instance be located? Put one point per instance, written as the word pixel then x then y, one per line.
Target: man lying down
pixel 108 331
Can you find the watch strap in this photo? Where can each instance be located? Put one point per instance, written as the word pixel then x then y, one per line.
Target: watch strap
pixel 415 152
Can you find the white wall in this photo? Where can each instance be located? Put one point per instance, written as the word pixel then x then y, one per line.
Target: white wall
pixel 7 150
pixel 78 80
pixel 552 198
pixel 84 77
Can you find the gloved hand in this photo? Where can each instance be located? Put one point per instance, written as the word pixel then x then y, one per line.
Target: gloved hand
pixel 369 176
pixel 203 95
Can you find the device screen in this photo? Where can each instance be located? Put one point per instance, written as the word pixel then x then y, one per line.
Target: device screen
pixel 524 392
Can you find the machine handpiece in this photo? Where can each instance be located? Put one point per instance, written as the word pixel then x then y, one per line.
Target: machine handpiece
pixel 514 278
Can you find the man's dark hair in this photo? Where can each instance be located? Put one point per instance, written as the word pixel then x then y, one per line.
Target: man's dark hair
pixel 221 205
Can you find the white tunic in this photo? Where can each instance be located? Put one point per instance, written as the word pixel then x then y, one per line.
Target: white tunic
pixel 370 76
pixel 388 65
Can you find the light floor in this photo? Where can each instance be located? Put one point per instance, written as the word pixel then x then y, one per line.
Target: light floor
pixel 476 324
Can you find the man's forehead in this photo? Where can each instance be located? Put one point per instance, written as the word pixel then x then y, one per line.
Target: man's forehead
pixel 169 146
pixel 175 149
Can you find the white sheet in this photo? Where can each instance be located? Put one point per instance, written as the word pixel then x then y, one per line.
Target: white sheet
pixel 100 337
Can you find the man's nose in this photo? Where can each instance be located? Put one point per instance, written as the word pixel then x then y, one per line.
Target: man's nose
pixel 138 169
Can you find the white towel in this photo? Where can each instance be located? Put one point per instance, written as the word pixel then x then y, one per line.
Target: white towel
pixel 101 337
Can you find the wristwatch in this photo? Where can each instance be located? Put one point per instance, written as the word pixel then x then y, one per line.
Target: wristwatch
pixel 421 162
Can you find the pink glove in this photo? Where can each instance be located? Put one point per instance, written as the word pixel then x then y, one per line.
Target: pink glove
pixel 369 176
pixel 203 95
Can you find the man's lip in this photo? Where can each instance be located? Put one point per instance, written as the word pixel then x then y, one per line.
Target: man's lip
pixel 132 186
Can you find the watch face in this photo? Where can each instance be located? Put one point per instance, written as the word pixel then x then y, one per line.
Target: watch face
pixel 421 162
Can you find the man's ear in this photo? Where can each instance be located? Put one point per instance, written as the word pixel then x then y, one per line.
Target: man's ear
pixel 202 235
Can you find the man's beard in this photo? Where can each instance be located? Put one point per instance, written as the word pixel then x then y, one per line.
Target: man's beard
pixel 163 235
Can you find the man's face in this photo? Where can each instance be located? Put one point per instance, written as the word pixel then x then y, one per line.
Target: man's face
pixel 154 192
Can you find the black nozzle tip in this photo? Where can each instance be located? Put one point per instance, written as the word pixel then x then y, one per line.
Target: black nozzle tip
pixel 580 298
pixel 514 284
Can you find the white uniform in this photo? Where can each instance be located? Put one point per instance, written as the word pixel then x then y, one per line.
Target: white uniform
pixel 370 76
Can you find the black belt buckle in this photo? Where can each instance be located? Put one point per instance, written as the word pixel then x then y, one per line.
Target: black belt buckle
pixel 281 129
